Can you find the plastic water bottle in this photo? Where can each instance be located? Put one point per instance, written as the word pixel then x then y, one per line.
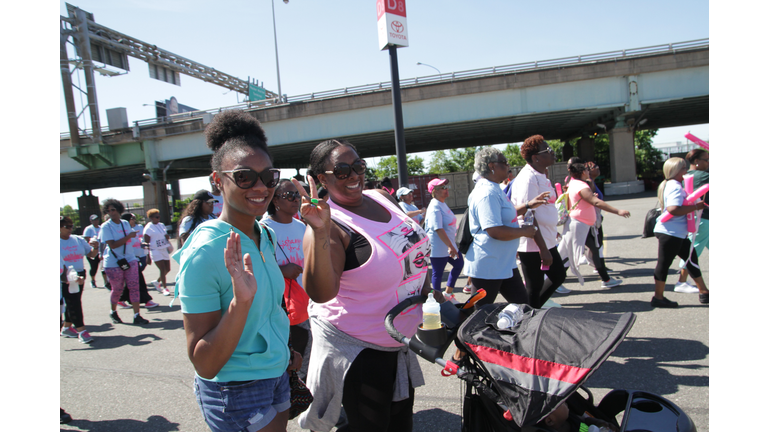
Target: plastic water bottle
pixel 72 277
pixel 528 218
pixel 509 316
pixel 431 311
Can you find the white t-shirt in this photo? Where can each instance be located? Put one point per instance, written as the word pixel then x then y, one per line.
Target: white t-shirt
pixel 186 223
pixel 289 239
pixel 528 184
pixel 156 233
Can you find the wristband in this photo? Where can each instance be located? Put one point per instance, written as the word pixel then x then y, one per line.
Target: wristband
pixel 528 205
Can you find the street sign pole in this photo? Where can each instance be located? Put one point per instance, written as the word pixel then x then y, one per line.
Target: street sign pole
pixel 402 156
pixel 393 33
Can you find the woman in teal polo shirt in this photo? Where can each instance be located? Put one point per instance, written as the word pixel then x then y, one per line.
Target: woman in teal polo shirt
pixel 231 290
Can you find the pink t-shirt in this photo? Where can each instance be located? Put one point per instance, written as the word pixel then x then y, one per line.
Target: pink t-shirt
pixel 584 211
pixel 395 271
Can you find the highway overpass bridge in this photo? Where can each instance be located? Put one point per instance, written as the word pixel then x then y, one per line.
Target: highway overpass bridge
pixel 574 97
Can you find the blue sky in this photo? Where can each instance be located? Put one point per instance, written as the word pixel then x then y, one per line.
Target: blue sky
pixel 330 45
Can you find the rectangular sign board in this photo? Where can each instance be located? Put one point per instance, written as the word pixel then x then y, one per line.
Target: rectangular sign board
pixel 256 93
pixel 392 24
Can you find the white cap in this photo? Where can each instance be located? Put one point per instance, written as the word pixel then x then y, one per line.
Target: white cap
pixel 402 191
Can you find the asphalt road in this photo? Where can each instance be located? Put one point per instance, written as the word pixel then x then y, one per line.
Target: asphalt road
pixel 139 378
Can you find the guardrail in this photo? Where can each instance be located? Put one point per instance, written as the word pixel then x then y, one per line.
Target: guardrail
pixel 430 79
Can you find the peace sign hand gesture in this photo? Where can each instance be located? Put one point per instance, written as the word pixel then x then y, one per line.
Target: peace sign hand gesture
pixel 317 216
pixel 240 269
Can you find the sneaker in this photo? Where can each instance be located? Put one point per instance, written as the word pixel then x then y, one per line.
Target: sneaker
pixel 93 284
pixel 156 284
pixel 150 304
pixel 69 332
pixel 467 290
pixel 451 298
pixel 124 305
pixel 610 283
pixel 583 260
pixel 663 303
pixel 550 304
pixel 562 290
pixel 138 320
pixel 165 291
pixel 704 298
pixel 115 317
pixel 85 337
pixel 685 287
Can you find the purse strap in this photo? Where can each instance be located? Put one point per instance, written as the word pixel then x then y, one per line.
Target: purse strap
pixel 124 244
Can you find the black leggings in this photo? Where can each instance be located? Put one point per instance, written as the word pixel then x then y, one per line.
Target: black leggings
pixel 539 290
pixel 594 249
pixel 368 390
pixel 94 262
pixel 73 313
pixel 512 289
pixel 669 247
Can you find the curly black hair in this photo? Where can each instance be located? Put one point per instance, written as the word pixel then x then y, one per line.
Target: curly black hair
pixel 321 153
pixel 114 203
pixel 231 130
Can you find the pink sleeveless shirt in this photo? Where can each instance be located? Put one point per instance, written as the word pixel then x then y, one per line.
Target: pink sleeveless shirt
pixel 395 271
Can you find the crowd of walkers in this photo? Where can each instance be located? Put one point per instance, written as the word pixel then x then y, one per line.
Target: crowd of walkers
pixel 283 281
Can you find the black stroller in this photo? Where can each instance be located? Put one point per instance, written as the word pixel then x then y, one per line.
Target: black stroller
pixel 516 377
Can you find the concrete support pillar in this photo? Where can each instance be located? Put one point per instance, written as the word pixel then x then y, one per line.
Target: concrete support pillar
pixel 567 151
pixel 86 206
pixel 622 153
pixel 156 196
pixel 585 148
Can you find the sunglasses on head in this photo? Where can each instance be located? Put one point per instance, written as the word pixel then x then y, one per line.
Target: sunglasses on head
pixel 289 195
pixel 247 178
pixel 343 170
pixel 548 150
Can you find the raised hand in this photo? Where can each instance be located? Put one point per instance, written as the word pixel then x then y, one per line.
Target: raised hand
pixel 317 216
pixel 240 269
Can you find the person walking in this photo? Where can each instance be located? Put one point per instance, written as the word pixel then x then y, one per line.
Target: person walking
pixel 141 255
pixel 699 161
pixel 440 223
pixel 156 234
pixel 199 210
pixel 541 250
pixel 72 250
pixel 120 263
pixel 362 256
pixel 231 290
pixel 673 234
pixel 92 232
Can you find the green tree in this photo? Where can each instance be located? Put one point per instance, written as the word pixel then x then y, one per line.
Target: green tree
pixel 387 167
pixel 512 153
pixel 68 211
pixel 463 158
pixel 647 157
pixel 440 163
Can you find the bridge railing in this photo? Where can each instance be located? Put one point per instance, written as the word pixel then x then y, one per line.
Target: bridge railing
pixel 445 77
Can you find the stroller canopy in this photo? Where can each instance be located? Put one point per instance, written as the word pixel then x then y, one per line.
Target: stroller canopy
pixel 542 360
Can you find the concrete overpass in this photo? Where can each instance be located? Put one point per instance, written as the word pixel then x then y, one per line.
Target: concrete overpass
pixel 660 86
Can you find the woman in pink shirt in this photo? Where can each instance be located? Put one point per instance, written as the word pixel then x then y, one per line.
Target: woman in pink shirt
pixel 580 230
pixel 362 256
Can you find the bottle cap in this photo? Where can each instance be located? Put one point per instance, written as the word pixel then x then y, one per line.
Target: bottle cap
pixel 503 322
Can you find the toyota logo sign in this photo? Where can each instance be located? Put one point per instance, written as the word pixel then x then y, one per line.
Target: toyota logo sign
pixel 397 26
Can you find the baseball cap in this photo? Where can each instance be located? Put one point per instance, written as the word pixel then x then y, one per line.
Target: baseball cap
pixel 434 183
pixel 93 217
pixel 203 195
pixel 403 191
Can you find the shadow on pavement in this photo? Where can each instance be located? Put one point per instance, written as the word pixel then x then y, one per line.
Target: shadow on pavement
pixel 111 342
pixel 153 423
pixel 435 420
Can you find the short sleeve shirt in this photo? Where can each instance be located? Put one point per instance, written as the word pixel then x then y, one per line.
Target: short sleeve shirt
pixel 409 208
pixel 584 212
pixel 488 258
pixel 156 233
pixel 72 251
pixel 527 186
pixel 440 216
pixel 289 238
pixel 114 231
pixel 674 195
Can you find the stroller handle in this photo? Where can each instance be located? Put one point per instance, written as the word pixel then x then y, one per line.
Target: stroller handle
pixel 395 311
pixel 422 348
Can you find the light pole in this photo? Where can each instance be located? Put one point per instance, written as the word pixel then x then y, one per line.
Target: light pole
pixel 424 64
pixel 277 61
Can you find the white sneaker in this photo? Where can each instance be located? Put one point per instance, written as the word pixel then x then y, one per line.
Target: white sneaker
pixel 583 260
pixel 562 290
pixel 611 283
pixel 685 287
pixel 165 291
pixel 156 284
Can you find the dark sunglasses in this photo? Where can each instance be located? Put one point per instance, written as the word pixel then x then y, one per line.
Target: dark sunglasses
pixel 289 195
pixel 247 178
pixel 343 170
pixel 549 150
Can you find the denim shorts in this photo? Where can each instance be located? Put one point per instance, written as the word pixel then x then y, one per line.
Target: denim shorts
pixel 242 405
